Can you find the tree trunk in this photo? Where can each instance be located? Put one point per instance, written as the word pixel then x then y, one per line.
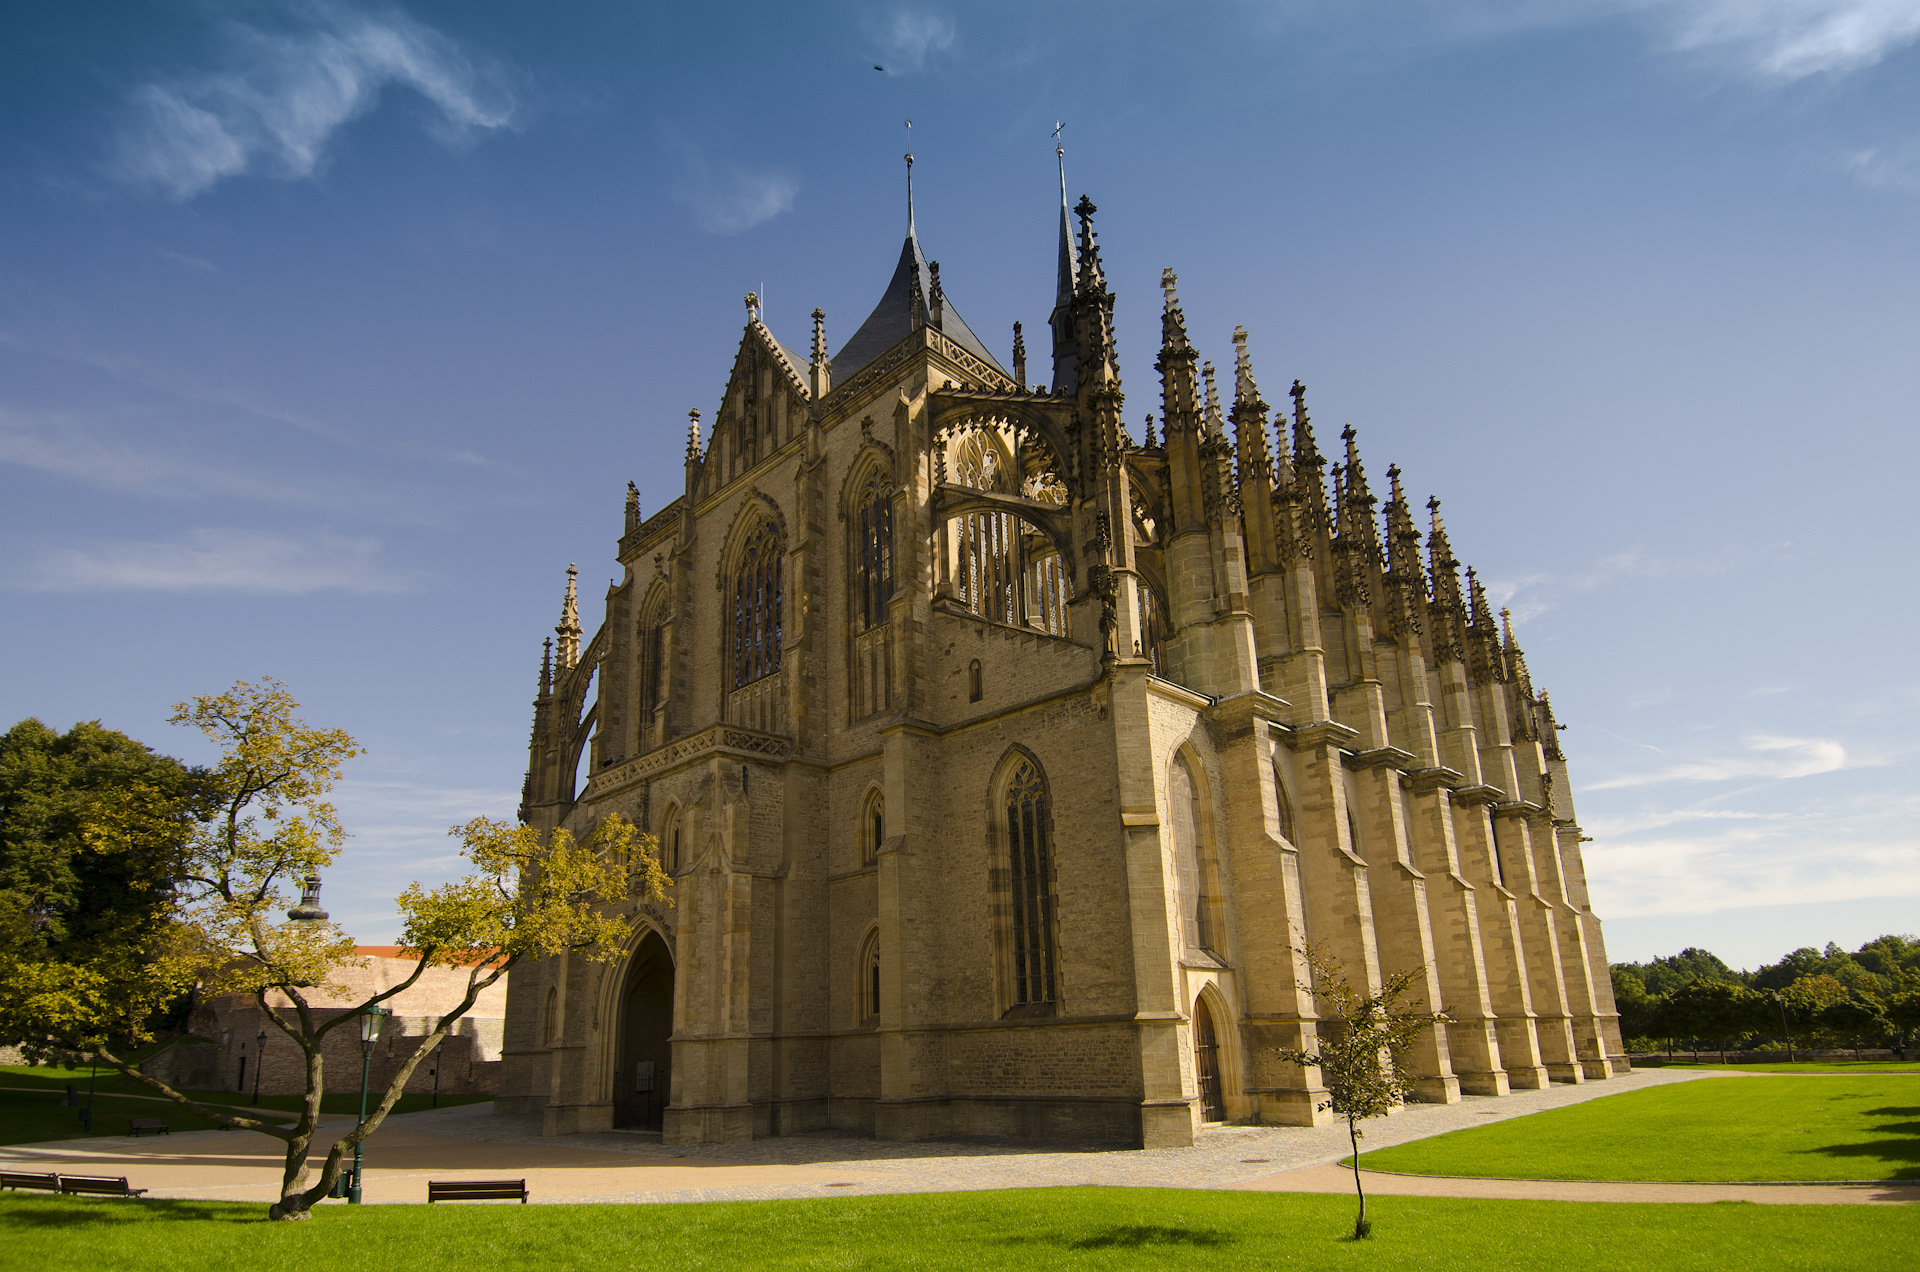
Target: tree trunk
pixel 1361 1227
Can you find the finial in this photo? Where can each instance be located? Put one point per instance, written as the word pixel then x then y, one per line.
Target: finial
pixel 1213 398
pixel 819 335
pixel 693 434
pixel 1393 484
pixel 936 297
pixel 633 506
pixel 1169 283
pixel 1019 358
pixel 308 911
pixel 546 666
pixel 909 188
pixel 1506 627
pixel 753 306
pixel 1091 275
pixel 1149 443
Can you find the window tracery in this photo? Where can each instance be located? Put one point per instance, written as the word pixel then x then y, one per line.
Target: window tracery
pixel 756 607
pixel 1008 571
pixel 1029 843
pixel 873 559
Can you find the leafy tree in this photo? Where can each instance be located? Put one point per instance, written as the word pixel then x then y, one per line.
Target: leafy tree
pixel 1903 1014
pixel 1713 1009
pixel 1853 1016
pixel 1889 956
pixel 93 831
pixel 272 827
pixel 1639 1010
pixel 1363 1043
pixel 1803 962
pixel 1664 975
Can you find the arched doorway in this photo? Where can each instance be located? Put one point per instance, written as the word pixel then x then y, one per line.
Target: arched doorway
pixel 642 1079
pixel 1206 1064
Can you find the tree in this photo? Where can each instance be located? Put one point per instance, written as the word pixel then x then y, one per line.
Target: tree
pixel 271 827
pixel 1362 1049
pixel 1714 1009
pixel 1639 1010
pixel 1903 1014
pixel 1856 1014
pixel 93 832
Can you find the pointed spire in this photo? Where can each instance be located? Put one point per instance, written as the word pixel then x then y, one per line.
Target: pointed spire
pixel 819 369
pixel 909 194
pixel 1067 277
pixel 1484 660
pixel 693 435
pixel 1448 609
pixel 569 627
pixel 1406 575
pixel 1091 278
pixel 1309 484
pixel 633 507
pixel 546 666
pixel 1249 416
pixel 1019 359
pixel 1212 419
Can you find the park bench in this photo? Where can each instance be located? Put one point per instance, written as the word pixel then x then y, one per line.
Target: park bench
pixel 476 1190
pixel 28 1179
pixel 98 1185
pixel 136 1125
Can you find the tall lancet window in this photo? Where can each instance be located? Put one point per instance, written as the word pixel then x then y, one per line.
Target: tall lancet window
pixel 756 607
pixel 1192 864
pixel 1030 851
pixel 874 556
pixel 1006 570
pixel 1047 590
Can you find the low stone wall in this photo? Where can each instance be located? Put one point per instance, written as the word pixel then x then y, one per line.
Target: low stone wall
pixel 1656 1058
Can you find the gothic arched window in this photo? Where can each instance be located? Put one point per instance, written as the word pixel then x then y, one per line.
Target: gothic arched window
pixel 670 840
pixel 756 607
pixel 1192 860
pixel 1285 806
pixel 873 554
pixel 1030 857
pixel 873 827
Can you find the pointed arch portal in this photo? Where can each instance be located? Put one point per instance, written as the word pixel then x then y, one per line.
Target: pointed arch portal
pixel 642 1083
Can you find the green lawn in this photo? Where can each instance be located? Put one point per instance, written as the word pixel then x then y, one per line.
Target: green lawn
pixel 1801 1066
pixel 1731 1129
pixel 27 1117
pixel 1062 1229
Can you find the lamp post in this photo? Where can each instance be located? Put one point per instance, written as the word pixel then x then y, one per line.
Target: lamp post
pixel 373 1022
pixel 259 1062
pixel 1781 1000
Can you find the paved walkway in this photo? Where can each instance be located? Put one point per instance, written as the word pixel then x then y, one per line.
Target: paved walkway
pixel 469 1141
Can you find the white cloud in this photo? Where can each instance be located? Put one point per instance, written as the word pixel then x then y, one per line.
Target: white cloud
pixel 733 201
pixel 908 35
pixel 277 98
pixel 69 448
pixel 222 560
pixel 1787 40
pixel 1767 756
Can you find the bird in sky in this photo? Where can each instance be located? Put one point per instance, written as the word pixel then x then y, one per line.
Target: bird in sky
pixel 879 68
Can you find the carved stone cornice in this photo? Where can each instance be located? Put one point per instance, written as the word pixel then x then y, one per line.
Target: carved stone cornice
pixel 1470 795
pixel 1427 780
pixel 1382 757
pixel 720 739
pixel 1321 733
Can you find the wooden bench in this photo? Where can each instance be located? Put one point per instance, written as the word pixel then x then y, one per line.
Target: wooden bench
pixel 138 1124
pixel 27 1179
pixel 476 1190
pixel 98 1185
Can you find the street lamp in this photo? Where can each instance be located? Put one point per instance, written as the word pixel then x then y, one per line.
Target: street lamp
pixel 1781 999
pixel 259 1060
pixel 373 1022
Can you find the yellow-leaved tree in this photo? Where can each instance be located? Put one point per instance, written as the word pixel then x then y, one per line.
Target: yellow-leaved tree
pixel 269 827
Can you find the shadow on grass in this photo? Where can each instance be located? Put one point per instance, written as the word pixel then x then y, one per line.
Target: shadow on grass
pixel 1131 1236
pixel 108 1213
pixel 1898 1150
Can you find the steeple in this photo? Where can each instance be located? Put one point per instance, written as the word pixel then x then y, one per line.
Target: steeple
pixel 569 628
pixel 1066 281
pixel 909 194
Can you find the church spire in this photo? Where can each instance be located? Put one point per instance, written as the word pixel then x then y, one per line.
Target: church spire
pixel 1066 282
pixel 910 233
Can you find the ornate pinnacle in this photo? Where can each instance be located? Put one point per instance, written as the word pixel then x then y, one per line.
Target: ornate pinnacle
pixel 1484 660
pixel 546 666
pixel 1249 415
pixel 1092 277
pixel 819 335
pixel 1169 288
pixel 693 434
pixel 937 298
pixel 569 628
pixel 753 306
pixel 1150 442
pixel 1019 358
pixel 1213 399
pixel 633 507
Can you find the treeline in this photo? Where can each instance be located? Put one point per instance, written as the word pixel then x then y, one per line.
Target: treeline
pixel 1809 999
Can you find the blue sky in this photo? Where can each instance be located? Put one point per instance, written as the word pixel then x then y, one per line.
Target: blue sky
pixel 330 333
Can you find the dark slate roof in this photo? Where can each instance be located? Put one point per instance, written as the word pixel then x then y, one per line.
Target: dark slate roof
pixel 891 320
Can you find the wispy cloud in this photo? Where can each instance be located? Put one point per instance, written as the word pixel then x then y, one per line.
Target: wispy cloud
pixel 732 200
pixel 222 560
pixel 275 99
pixel 1766 756
pixel 68 447
pixel 1787 40
pixel 1531 594
pixel 907 36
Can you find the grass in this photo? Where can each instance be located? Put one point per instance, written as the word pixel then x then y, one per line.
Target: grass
pixel 27 1117
pixel 1797 1066
pixel 1065 1229
pixel 1725 1129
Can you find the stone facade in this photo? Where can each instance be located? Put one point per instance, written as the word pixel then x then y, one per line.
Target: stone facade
pixel 232 1058
pixel 1005 763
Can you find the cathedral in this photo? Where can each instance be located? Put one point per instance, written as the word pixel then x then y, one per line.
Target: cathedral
pixel 1006 763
